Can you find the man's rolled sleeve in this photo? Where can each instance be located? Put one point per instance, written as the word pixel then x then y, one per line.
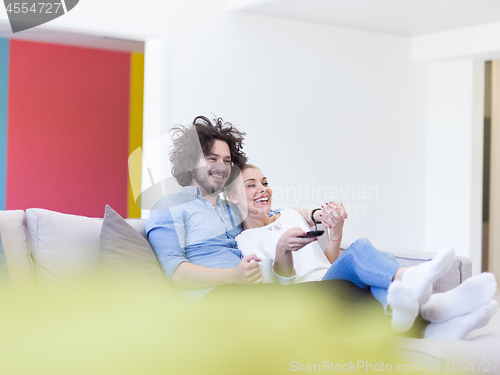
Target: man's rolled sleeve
pixel 169 256
pixel 165 237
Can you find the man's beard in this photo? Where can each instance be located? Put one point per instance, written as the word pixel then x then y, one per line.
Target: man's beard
pixel 202 177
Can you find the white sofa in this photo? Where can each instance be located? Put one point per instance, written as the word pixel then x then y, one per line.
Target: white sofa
pixel 46 247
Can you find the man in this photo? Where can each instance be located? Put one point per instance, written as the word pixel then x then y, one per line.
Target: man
pixel 193 231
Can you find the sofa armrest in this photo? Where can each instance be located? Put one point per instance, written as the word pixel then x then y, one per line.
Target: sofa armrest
pixel 460 270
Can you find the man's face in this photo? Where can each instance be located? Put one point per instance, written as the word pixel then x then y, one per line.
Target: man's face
pixel 213 170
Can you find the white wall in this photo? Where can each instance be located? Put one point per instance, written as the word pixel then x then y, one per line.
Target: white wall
pixel 324 107
pixel 455 133
pixel 454 157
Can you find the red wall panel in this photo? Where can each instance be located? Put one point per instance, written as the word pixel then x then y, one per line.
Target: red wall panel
pixel 67 128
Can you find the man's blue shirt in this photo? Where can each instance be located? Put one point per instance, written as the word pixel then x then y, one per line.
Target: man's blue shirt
pixel 185 227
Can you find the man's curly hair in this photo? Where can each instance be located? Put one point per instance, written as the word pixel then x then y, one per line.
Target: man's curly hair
pixel 185 152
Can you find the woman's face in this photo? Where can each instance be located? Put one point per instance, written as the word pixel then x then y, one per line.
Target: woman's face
pixel 258 194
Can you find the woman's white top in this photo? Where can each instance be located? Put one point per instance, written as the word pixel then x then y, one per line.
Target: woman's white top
pixel 310 262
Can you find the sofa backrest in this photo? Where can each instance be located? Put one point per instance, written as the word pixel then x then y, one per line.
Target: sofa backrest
pixel 46 246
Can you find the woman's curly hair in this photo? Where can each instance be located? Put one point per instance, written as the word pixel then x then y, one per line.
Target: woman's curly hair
pixel 186 152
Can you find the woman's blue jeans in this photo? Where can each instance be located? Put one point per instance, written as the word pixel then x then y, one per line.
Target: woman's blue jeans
pixel 366 267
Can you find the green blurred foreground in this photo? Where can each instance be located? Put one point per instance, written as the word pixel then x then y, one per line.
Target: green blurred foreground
pixel 139 329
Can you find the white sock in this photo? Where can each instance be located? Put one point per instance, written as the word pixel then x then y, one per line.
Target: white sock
pixel 404 306
pixel 459 327
pixel 421 277
pixel 473 293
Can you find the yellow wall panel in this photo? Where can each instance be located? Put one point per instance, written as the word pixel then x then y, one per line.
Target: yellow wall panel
pixel 136 123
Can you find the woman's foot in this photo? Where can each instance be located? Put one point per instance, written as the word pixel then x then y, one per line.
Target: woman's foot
pixel 421 277
pixel 473 293
pixel 404 306
pixel 460 326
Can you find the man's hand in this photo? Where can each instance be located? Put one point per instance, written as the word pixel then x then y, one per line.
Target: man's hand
pixel 247 272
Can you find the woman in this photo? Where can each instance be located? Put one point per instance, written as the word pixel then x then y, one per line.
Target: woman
pixel 405 289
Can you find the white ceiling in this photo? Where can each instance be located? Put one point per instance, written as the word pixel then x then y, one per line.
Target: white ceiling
pixel 403 17
pixel 46 34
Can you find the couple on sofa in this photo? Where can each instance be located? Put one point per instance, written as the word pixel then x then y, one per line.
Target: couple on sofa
pixel 199 242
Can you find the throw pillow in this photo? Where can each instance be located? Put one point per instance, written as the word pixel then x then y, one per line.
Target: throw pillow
pixel 124 254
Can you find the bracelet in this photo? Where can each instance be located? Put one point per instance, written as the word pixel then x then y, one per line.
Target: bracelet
pixel 336 240
pixel 312 216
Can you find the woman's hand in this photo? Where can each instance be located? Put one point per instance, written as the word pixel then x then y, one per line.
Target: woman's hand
pixel 333 216
pixel 291 240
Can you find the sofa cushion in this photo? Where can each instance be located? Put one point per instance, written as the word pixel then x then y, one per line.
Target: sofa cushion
pixel 480 345
pixel 65 246
pixel 438 353
pixel 62 245
pixel 125 255
pixel 16 247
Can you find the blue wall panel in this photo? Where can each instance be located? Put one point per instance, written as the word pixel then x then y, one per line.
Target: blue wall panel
pixel 4 86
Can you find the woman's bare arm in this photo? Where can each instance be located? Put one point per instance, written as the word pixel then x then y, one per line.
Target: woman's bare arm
pixel 290 241
pixel 306 214
pixel 334 215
